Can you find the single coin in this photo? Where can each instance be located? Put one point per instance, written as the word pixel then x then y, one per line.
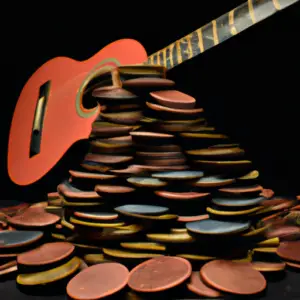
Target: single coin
pixel 124 117
pixel 195 257
pixel 89 175
pixel 213 181
pixel 113 94
pixel 181 195
pixel 146 182
pixel 162 168
pixel 242 190
pixel 18 238
pixel 98 281
pixel 113 189
pixel 14 208
pixel 186 219
pixel 273 242
pixel 217 152
pixel 93 259
pixel 159 274
pixel 107 159
pixel 265 249
pixel 233 277
pixel 96 224
pixel 182 111
pixel 34 217
pixel 142 209
pixel 233 213
pixel 70 192
pixel 293 265
pixel 174 99
pixel 148 82
pixel 262 266
pixel 289 250
pixel 106 129
pixel 284 232
pixel 209 226
pixel 46 254
pixel 8 265
pixel 171 237
pixel 143 246
pixel 178 175
pixel 198 287
pixel 97 216
pixel 118 253
pixel 249 176
pixel 237 202
pixel 50 276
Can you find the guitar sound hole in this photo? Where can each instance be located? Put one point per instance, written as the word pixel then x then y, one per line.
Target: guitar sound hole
pixel 38 121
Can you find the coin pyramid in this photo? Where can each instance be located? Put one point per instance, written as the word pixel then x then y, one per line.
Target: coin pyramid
pixel 160 181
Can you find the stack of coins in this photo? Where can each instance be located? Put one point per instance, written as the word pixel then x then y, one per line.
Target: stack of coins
pixel 160 189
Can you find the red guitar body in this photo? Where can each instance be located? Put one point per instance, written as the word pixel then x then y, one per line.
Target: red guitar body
pixel 55 92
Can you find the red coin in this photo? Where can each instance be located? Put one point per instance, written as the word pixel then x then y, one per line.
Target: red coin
pixel 233 277
pixel 98 281
pixel 159 274
pixel 289 250
pixel 198 287
pixel 46 254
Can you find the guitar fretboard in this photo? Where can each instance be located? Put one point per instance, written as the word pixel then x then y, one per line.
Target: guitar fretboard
pixel 217 31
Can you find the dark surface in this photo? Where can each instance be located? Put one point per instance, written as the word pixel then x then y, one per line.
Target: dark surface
pixel 248 86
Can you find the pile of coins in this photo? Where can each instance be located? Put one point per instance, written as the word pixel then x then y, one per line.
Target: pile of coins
pixel 160 191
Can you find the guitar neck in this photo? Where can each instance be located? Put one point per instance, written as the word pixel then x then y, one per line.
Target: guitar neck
pixel 217 31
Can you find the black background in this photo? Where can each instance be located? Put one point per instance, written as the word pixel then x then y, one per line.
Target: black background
pixel 248 86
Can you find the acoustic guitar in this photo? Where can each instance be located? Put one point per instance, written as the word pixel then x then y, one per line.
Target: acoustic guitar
pixel 41 133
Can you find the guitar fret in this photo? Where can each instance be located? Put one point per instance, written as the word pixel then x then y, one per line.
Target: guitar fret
pixel 200 37
pixel 161 58
pixel 207 36
pixel 224 28
pixel 164 51
pixel 190 48
pixel 215 32
pixel 155 58
pixel 231 23
pixel 242 18
pixel 179 55
pixel 251 11
pixel 169 59
pixel 158 58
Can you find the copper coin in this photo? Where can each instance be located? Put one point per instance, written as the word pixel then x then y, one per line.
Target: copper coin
pixel 284 232
pixel 46 254
pixel 107 159
pixel 106 129
pixel 186 219
pixel 174 99
pixel 112 189
pixel 293 265
pixel 233 277
pixel 34 217
pixel 182 111
pixel 268 266
pixel 97 216
pixel 98 281
pixel 198 287
pixel 68 191
pixel 148 82
pixel 181 195
pixel 159 274
pixel 289 250
pixel 124 117
pixel 113 94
